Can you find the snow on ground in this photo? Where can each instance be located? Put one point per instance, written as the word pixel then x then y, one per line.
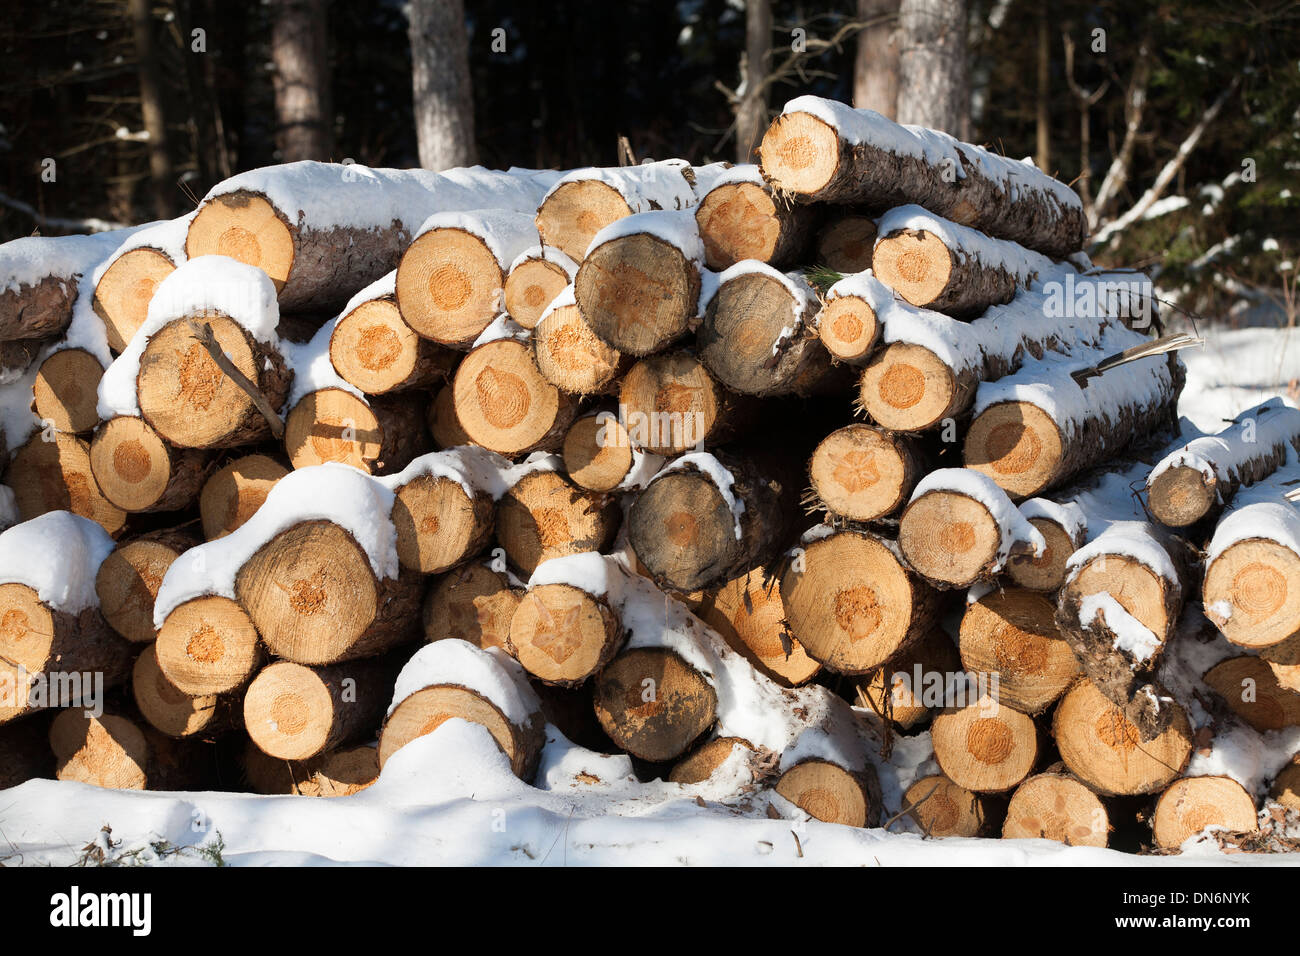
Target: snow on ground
pixel 450 797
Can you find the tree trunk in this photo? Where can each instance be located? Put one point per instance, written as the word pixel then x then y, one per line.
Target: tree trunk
pixel 932 64
pixel 444 100
pixel 300 52
pixel 151 108
pixel 875 73
pixel 751 111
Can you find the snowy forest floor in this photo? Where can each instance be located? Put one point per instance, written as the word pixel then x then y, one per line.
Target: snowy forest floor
pixel 450 797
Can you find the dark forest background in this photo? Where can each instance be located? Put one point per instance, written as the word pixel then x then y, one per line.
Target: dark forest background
pixel 575 76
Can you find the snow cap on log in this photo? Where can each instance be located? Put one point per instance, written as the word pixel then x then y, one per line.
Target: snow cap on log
pixel 57 555
pixel 336 493
pixel 491 673
pixel 207 284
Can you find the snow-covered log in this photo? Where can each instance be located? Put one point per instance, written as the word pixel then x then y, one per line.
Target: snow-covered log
pixel 758 335
pixel 295 712
pixel 1203 475
pixel 42 278
pixel 323 230
pixel 472 603
pixel 568 353
pixel 543 515
pixel 1055 805
pixel 853 316
pixel 503 402
pixel 949 268
pixel 316 570
pixel 127 582
pixel 372 348
pixel 137 471
pixel 852 602
pixel 639 285
pixel 537 276
pixel 444 507
pixel 959 527
pixel 846 243
pixel 1012 632
pixel 1037 427
pixel 704 519
pixel 984 745
pixel 1251 588
pixel 171 379
pixel 599 455
pixel 740 218
pixel 127 280
pixel 584 201
pixel 450 281
pixel 1119 607
pixel 931 364
pixel 826 151
pixel 56 649
pixel 452 678
pixel 1107 751
pixel 566 628
pixel 235 491
pixel 863 473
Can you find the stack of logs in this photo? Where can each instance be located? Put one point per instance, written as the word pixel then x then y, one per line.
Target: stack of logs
pixel 1001 539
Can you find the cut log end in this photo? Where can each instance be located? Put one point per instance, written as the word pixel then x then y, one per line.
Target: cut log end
pixel 546 516
pixel 64 392
pixel 848 327
pixel 683 530
pixel 443 423
pixel 748 613
pixel 208 645
pixel 289 711
pixel 380 436
pixel 165 706
pixel 123 292
pixel 986 747
pixel 56 475
pixel 638 293
pixel 1180 496
pixel 1017 445
pixel 907 387
pixel 846 244
pixel 1045 572
pixel 1012 633
pixel 474 604
pixel 738 221
pixel 449 286
pixel 1193 804
pixel 127 584
pixel 827 792
pixel 653 704
pixel 503 403
pixel 893 691
pixel 562 635
pixel 851 603
pixel 571 216
pixel 374 350
pixel 914 263
pixel 943 809
pixel 1260 692
pixel 438 524
pixel 570 356
pixel 747 324
pixel 861 473
pixel 108 751
pixel 1056 806
pixel 234 493
pixel 949 538
pixel 672 403
pixel 800 153
pixel 531 286
pixel 1255 580
pixel 708 757
pixel 1105 750
pixel 137 471
pixel 246 227
pixel 597 453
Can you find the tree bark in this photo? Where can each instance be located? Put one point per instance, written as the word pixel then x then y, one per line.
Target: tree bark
pixel 300 51
pixel 875 73
pixel 151 108
pixel 932 64
pixel 444 101
pixel 751 111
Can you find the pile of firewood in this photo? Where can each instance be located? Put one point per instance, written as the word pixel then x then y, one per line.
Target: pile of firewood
pixel 902 458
